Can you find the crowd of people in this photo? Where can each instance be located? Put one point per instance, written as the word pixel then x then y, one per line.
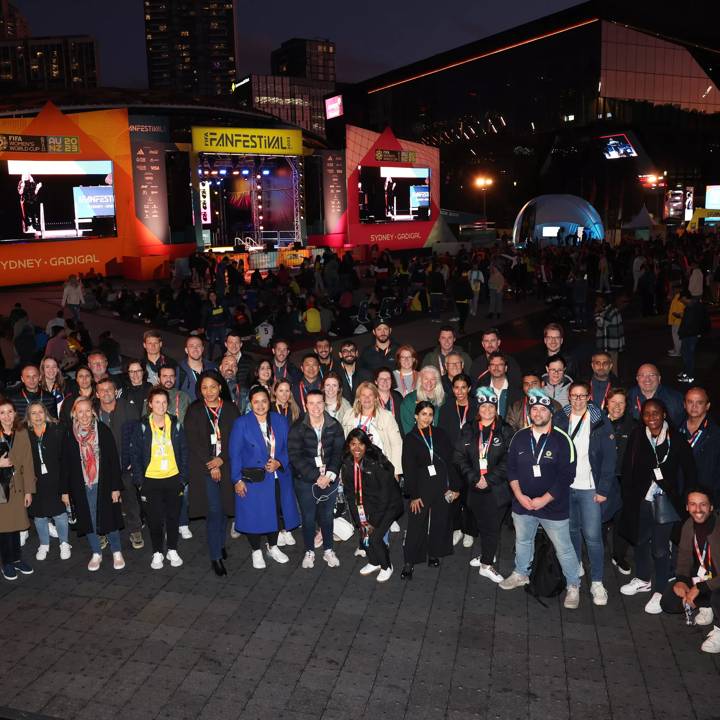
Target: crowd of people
pixel 450 446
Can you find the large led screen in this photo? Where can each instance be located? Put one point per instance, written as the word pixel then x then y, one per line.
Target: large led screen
pixel 617 146
pixel 56 199
pixel 393 194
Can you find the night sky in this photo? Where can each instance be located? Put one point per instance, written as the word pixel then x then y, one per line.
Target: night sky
pixel 395 33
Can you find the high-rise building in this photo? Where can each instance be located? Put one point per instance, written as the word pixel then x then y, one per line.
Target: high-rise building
pixel 191 45
pixel 48 63
pixel 308 59
pixel 13 25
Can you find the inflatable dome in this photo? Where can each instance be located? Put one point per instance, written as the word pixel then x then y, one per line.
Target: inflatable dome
pixel 557 220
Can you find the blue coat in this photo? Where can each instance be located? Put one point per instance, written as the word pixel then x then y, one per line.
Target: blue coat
pixel 256 512
pixel 672 400
pixel 602 453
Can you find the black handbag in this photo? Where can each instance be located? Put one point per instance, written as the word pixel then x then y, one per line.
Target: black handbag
pixel 6 476
pixel 253 474
pixel 663 510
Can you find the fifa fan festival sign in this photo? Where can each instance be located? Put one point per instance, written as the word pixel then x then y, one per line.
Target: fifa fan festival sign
pixel 247 141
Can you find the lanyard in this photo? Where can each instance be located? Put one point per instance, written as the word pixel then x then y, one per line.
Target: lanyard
pixel 302 396
pixel 462 418
pixel 326 368
pixel 364 425
pixel 270 439
pixel 537 456
pixel 214 418
pixel 407 389
pixel 441 364
pixel 428 441
pixel 653 444
pixel 604 400
pixel 576 429
pixel 696 435
pixel 484 447
pixel 40 439
pixel 282 411
pixel 27 400
pixel 284 372
pixel 161 437
pixel 701 556
pixel 357 473
pixel 391 403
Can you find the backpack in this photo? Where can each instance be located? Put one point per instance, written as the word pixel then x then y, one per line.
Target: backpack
pixel 546 576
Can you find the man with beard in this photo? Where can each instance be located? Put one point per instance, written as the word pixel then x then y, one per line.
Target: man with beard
pixel 382 352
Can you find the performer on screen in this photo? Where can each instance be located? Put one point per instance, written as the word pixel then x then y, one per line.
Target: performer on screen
pixel 28 190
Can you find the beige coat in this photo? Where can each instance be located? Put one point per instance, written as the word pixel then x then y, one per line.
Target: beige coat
pixel 13 515
pixel 389 435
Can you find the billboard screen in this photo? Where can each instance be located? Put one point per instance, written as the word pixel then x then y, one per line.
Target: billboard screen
pixel 617 146
pixel 393 194
pixel 333 107
pixel 57 199
pixel 712 197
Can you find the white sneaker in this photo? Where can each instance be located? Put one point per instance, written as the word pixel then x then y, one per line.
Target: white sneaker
pixel 360 553
pixel 491 573
pixel 599 593
pixel 369 569
pixel 234 534
pixel 173 558
pixel 581 571
pixel 24 535
pixel 65 551
pixel 457 536
pixel 712 641
pixel 331 558
pixel 653 604
pixel 287 537
pixel 42 552
pixel 514 580
pixel 309 560
pixel 94 563
pixel 118 561
pixel 277 554
pixel 281 539
pixel 572 597
pixel 157 561
pixel 635 586
pixel 475 562
pixel 468 541
pixel 704 616
pixel 318 539
pixel 258 560
pixel 395 527
pixel 185 533
pixel 385 575
pixel 52 530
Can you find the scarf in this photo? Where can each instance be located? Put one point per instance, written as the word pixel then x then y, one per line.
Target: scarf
pixel 89 445
pixel 660 438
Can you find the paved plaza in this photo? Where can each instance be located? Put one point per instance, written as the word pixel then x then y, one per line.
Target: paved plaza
pixel 329 644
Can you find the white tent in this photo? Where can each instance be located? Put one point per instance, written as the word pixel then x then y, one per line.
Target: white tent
pixel 546 218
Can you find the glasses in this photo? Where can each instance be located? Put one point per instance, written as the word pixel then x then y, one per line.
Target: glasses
pixel 553 337
pixel 134 372
pixel 453 364
pixel 406 357
pixel 578 397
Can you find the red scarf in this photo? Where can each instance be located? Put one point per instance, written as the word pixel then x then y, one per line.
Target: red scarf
pixel 86 442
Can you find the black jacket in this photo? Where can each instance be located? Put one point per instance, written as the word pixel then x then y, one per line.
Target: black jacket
pixel 46 501
pixel 450 417
pixel 303 445
pixel 20 397
pixel 382 500
pixel 416 460
pixel 138 447
pixel 120 421
pixel 622 429
pixel 467 460
pixel 706 452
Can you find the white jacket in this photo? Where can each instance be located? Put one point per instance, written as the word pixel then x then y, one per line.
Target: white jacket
pixel 389 435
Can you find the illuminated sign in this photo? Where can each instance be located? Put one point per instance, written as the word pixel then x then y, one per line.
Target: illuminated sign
pixel 404 156
pixel 689 203
pixel 247 141
pixel 98 201
pixel 39 143
pixel 712 197
pixel 333 107
pixel 205 204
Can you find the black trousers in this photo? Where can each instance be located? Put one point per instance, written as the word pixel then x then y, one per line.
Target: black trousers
pixel 9 547
pixel 162 499
pixel 462 517
pixel 378 553
pixel 255 539
pixel 672 604
pixel 489 519
pixel 429 532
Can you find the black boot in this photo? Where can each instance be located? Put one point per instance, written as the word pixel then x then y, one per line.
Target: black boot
pixel 407 572
pixel 219 568
pixel 433 562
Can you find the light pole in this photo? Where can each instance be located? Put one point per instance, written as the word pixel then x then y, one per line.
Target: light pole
pixel 483 183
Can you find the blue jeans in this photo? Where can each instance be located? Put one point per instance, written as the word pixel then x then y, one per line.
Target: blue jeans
pixel 43 531
pixel 93 540
pixel 184 507
pixel 586 523
pixel 313 512
pixel 216 521
pixel 559 533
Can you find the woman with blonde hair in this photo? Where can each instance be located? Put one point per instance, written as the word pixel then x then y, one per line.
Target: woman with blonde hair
pixel 335 404
pixel 46 442
pixel 52 380
pixel 284 403
pixel 429 388
pixel 406 375
pixel 379 424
